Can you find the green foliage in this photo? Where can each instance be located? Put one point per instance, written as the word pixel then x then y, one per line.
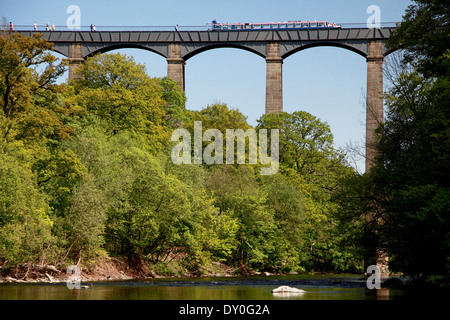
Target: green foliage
pixel 24 215
pixel 304 141
pixel 149 208
pixel 32 108
pixel 86 169
pixel 289 213
pixel 311 164
pixel 118 91
pixel 220 116
pixel 177 115
pixel 410 181
pixel 85 221
pixel 58 173
pixel 424 33
pixel 412 175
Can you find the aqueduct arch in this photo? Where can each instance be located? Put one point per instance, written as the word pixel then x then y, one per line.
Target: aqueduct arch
pixel 273 45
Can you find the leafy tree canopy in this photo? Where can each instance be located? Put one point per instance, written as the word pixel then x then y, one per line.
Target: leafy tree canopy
pixel 119 91
pixel 32 107
pixel 411 178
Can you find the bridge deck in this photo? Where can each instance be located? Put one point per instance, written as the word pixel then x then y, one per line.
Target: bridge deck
pixel 215 36
pixel 193 42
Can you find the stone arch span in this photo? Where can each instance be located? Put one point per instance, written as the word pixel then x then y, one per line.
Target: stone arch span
pixel 190 50
pixel 90 50
pixel 61 50
pixel 288 49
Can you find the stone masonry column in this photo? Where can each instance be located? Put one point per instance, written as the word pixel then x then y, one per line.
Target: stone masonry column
pixel 175 64
pixel 75 59
pixel 374 117
pixel 274 88
pixel 374 103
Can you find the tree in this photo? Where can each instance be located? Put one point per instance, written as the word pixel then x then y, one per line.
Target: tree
pixel 175 98
pixel 424 33
pixel 412 175
pixel 305 140
pixel 32 108
pixel 34 113
pixel 352 232
pixel 139 205
pixel 237 193
pixel 25 224
pixel 307 153
pixel 310 162
pixel 58 173
pixel 169 217
pixel 222 118
pixel 288 204
pixel 86 220
pixel 33 125
pixel 411 178
pixel 117 90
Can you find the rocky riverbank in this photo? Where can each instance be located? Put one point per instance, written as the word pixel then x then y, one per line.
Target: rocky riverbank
pixel 107 269
pixel 114 269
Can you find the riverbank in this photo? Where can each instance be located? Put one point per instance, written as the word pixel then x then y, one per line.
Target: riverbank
pixel 110 269
pixel 115 269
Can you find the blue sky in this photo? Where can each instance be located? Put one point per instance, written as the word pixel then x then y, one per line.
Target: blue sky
pixel 327 82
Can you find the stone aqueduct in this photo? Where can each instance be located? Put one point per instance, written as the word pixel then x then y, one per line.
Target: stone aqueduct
pixel 272 45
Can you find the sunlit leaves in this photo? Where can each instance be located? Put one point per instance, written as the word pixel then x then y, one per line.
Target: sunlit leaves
pixel 119 91
pixel 31 104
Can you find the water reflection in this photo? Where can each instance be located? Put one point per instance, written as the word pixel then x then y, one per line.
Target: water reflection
pixel 317 287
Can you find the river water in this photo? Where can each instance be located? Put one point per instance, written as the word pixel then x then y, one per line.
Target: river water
pixel 317 287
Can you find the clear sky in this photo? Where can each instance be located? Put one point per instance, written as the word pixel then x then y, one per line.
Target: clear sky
pixel 327 82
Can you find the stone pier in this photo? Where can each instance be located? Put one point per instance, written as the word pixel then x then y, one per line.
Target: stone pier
pixel 374 117
pixel 175 64
pixel 274 79
pixel 75 59
pixel 374 102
